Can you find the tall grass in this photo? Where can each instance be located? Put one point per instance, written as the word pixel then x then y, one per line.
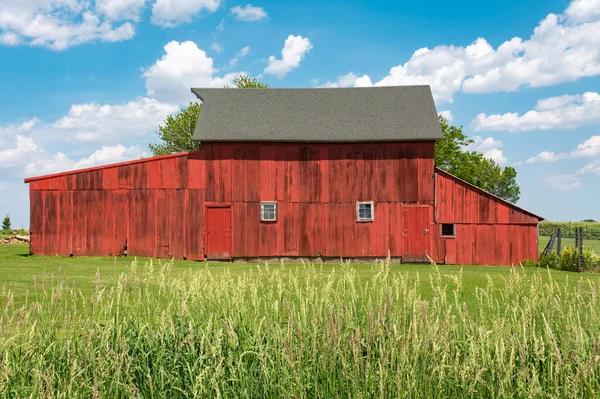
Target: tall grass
pixel 276 333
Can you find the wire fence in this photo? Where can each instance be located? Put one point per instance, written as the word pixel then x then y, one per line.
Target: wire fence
pixel 590 238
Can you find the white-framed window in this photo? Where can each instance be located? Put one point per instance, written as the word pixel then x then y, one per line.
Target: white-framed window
pixel 365 211
pixel 268 211
pixel 448 230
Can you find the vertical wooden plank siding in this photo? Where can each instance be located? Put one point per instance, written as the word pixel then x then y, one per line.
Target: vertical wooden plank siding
pixel 65 222
pixel 158 205
pixel 120 217
pixel 177 217
pixel 50 224
pixel 489 231
pixel 36 217
pixel 194 224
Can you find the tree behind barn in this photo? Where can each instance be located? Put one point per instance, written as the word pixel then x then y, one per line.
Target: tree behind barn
pixel 176 131
pixel 472 166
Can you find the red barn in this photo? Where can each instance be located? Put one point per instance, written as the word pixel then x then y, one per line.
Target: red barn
pixel 331 173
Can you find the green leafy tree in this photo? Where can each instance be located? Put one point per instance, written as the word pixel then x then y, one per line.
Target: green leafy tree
pixel 6 223
pixel 176 131
pixel 472 166
pixel 246 82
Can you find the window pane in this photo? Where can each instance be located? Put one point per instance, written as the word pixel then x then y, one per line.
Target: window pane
pixel 364 211
pixel 268 211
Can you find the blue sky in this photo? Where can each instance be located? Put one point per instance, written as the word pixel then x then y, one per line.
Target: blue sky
pixel 86 82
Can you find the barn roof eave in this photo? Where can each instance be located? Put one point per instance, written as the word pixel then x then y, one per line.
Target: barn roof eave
pixel 112 165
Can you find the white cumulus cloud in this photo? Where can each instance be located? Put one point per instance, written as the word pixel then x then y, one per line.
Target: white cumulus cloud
pixel 22 148
pixel 60 24
pixel 347 80
pixel 564 112
pixel 447 114
pixel 183 66
pixel 60 162
pixel 546 156
pixel 589 148
pixel 170 13
pixel 9 131
pixel 94 122
pixel 10 39
pixel 103 130
pixel 583 11
pixel 249 13
pixel 495 154
pixel 294 50
pixel 489 147
pixel 592 167
pixel 562 48
pixel 120 9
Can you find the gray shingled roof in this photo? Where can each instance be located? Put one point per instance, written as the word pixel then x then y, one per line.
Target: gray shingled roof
pixel 309 115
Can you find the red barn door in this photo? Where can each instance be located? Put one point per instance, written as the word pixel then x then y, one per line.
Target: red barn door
pixel 218 232
pixel 416 233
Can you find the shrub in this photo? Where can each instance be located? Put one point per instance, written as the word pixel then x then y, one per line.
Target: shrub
pixel 530 263
pixel 591 261
pixel 550 261
pixel 569 259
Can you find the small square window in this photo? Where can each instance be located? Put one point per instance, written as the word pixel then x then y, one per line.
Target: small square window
pixel 448 230
pixel 364 211
pixel 268 211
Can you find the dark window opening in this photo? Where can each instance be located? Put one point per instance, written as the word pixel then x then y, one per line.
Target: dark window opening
pixel 448 230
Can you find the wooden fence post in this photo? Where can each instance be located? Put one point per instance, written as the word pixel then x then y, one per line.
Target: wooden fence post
pixel 559 242
pixel 580 250
pixel 549 246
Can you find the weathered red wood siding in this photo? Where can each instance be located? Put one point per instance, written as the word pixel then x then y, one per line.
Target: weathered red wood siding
pixel 316 187
pixel 143 204
pixel 489 231
pixel 158 206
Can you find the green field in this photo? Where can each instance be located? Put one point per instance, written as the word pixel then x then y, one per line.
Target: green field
pixel 118 327
pixel 591 234
pixel 570 242
pixel 19 271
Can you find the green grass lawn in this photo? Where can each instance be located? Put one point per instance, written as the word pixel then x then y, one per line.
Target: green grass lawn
pixel 570 242
pixel 19 271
